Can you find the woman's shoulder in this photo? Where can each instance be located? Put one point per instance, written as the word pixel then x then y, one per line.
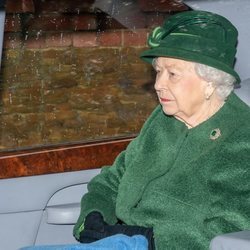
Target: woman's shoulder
pixel 156 112
pixel 152 124
pixel 156 120
pixel 240 103
pixel 237 111
pixel 238 122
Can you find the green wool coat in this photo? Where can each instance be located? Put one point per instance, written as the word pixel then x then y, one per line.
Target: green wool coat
pixel 188 184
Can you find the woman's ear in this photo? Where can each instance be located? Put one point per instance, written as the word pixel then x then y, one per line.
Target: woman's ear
pixel 209 90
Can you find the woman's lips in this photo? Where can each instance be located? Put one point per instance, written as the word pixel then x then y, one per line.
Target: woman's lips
pixel 164 99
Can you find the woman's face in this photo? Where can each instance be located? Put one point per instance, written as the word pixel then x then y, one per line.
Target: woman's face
pixel 180 91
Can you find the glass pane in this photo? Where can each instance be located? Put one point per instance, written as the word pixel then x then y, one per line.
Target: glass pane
pixel 71 70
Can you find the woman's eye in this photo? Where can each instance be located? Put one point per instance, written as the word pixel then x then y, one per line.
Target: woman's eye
pixel 158 72
pixel 174 76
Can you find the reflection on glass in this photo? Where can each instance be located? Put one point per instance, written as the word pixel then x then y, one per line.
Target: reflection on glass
pixel 71 70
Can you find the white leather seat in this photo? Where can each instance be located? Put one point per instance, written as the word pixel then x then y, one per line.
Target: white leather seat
pixel 231 241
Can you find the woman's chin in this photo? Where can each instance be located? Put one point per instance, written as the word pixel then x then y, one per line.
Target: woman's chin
pixel 167 111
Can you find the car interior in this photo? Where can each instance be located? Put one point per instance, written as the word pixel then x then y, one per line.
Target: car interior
pixel 41 208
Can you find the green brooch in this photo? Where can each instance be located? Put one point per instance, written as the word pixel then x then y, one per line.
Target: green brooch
pixel 215 133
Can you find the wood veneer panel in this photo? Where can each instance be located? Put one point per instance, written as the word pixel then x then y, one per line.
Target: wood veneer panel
pixel 60 159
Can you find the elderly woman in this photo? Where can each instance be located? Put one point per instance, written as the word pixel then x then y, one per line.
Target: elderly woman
pixel 185 178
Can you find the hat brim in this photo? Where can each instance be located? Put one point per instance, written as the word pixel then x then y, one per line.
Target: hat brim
pixel 150 54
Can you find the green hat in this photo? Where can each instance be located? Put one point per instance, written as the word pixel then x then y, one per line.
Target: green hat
pixel 197 36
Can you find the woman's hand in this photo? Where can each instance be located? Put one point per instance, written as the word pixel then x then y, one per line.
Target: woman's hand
pixel 95 228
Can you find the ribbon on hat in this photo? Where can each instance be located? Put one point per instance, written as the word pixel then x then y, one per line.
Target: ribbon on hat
pixel 156 36
pixel 160 33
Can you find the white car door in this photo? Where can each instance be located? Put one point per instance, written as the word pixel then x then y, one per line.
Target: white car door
pixel 42 209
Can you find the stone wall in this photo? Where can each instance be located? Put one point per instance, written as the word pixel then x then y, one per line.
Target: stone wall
pixel 71 70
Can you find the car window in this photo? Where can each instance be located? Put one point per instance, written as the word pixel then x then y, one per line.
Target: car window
pixel 71 70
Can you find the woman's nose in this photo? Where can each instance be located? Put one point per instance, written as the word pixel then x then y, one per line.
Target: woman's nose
pixel 160 83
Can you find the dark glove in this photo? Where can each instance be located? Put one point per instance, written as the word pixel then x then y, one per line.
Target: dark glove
pixel 94 221
pixel 95 228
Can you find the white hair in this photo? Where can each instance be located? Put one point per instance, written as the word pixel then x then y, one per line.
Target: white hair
pixel 222 81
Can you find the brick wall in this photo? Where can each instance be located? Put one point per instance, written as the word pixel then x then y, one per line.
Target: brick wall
pixel 71 70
